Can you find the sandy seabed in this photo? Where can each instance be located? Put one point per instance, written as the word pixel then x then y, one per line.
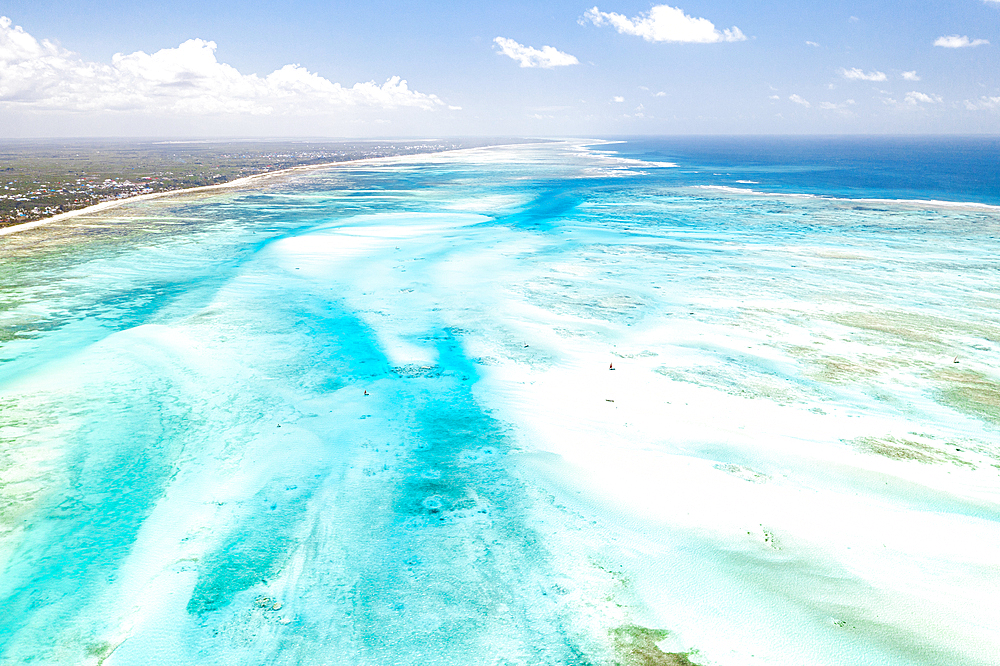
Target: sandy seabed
pixel 367 415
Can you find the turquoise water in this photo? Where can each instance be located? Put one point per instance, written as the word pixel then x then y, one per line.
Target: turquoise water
pixel 364 415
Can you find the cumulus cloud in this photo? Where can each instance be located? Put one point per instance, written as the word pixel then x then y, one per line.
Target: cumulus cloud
pixel 664 23
pixel 618 99
pixel 527 56
pixel 184 80
pixel 799 100
pixel 983 104
pixel 915 97
pixel 856 74
pixel 831 106
pixel 958 41
pixel 912 76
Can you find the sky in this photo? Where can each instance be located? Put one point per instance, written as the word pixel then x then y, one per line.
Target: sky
pixel 380 68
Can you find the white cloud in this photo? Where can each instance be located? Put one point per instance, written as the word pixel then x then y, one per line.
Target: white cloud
pixel 830 106
pixel 663 94
pixel 856 74
pixel 528 56
pixel 183 80
pixel 958 41
pixel 915 97
pixel 983 104
pixel 912 76
pixel 664 23
pixel 774 97
pixel 618 98
pixel 808 43
pixel 799 100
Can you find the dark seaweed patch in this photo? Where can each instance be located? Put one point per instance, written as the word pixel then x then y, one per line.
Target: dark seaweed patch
pixel 636 646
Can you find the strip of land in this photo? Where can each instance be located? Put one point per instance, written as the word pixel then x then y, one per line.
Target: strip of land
pixel 45 180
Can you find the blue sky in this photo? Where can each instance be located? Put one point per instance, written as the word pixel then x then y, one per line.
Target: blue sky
pixel 256 68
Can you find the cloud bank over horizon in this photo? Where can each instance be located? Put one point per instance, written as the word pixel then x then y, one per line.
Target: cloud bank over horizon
pixel 186 80
pixel 168 77
pixel 664 23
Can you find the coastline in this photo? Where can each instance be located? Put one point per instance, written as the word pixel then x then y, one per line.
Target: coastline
pixel 238 183
pixel 249 181
pixel 115 203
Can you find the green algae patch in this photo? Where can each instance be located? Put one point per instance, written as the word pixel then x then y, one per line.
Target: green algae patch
pixel 913 327
pixel 102 650
pixel 971 392
pixel 907 449
pixel 636 646
pixel 840 370
pixel 740 381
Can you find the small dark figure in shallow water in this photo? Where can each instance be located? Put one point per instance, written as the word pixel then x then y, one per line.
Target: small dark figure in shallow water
pixel 611 366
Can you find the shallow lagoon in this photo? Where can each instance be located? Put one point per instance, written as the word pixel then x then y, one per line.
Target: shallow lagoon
pixel 794 459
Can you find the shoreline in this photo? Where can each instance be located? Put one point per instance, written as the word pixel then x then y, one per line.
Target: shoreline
pixel 245 181
pixel 249 181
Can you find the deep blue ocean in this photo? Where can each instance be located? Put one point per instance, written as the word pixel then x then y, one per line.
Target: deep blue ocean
pixel 965 169
pixel 713 401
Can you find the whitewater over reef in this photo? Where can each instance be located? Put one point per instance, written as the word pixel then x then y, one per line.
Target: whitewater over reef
pixel 558 403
